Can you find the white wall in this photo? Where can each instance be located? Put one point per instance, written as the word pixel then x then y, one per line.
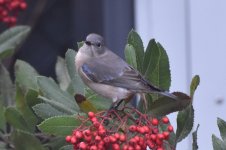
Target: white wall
pixel 197 28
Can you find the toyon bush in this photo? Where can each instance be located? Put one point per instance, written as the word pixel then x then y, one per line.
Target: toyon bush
pixel 38 112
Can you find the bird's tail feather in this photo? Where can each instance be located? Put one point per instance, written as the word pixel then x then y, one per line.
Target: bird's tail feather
pixel 166 93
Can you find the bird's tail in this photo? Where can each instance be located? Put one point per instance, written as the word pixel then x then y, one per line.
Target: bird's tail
pixel 166 93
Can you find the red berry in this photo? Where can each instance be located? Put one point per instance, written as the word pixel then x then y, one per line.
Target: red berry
pixel 166 134
pixel 88 138
pixel 137 147
pixel 132 128
pixel 146 129
pixel 102 132
pixel 82 145
pixel 160 148
pixel 170 128
pixel 23 5
pixel 68 138
pixel 130 147
pixel 141 130
pixel 153 137
pixel 94 119
pixel 73 140
pixel 154 122
pixel 117 135
pixel 159 142
pixel 165 120
pixel 155 130
pixel 136 138
pixel 106 140
pixel 122 137
pixel 87 132
pixel 115 146
pixel 160 136
pixel 132 141
pixel 78 134
pixel 125 147
pixel 2 1
pixel 91 115
pixel 93 147
pixel 98 138
pixel 96 124
pixel 112 139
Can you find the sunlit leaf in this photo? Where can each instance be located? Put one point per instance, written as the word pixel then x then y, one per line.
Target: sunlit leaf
pixel 194 84
pixel 130 55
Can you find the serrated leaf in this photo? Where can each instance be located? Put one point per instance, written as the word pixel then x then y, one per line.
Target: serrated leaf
pixel 166 105
pixel 59 125
pixel 56 143
pixel 26 76
pixel 25 141
pixel 222 127
pixel 7 89
pixel 66 147
pixel 130 55
pixel 14 118
pixel 100 103
pixel 161 76
pixel 151 58
pixel 194 84
pixel 62 73
pixel 185 120
pixel 25 110
pixel 218 144
pixel 135 40
pixel 52 92
pixel 45 111
pixel 11 38
pixel 194 139
pixel 77 83
pixel 84 104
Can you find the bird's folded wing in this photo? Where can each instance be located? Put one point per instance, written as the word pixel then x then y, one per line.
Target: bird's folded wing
pixel 117 74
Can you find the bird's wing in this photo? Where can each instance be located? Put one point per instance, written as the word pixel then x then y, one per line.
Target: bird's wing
pixel 116 72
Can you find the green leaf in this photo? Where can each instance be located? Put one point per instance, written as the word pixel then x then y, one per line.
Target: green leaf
pixel 67 147
pixel 25 110
pixel 59 125
pixel 26 76
pixel 130 55
pixel 32 98
pixel 170 143
pixel 25 141
pixel 45 111
pixel 166 105
pixel 194 139
pixel 218 144
pixel 77 83
pixel 151 58
pixel 194 84
pixel 7 89
pixel 80 44
pixel 52 91
pixel 185 120
pixel 11 38
pixel 15 118
pixel 6 53
pixel 135 40
pixel 2 117
pixel 62 73
pixel 222 127
pixel 56 143
pixel 100 103
pixel 161 76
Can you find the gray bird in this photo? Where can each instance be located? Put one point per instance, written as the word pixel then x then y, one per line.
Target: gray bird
pixel 109 75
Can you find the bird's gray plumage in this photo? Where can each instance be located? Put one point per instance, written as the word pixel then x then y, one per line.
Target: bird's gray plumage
pixel 98 66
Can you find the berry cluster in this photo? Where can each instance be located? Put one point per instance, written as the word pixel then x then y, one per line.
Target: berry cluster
pixel 9 10
pixel 111 131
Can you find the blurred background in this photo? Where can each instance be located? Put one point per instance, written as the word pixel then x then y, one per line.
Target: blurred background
pixel 192 32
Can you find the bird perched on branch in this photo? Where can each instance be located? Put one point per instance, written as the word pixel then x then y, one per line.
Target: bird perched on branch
pixel 109 75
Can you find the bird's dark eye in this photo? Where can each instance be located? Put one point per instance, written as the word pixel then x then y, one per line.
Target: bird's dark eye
pixel 98 45
pixel 88 43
